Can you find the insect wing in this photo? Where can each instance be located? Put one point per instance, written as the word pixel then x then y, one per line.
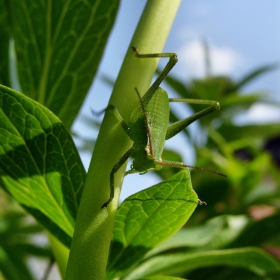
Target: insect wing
pixel 157 111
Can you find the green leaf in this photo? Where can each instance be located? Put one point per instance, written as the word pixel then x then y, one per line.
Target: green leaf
pixel 12 267
pixel 255 74
pixel 215 234
pixel 16 242
pixel 147 218
pixel 178 86
pixel 233 132
pixel 240 100
pixel 162 277
pixel 210 232
pixel 254 235
pixel 59 45
pixel 4 45
pixel 212 87
pixel 250 258
pixel 39 163
pixel 13 258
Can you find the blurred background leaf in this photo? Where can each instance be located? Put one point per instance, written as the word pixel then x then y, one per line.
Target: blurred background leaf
pixel 20 239
pixel 4 45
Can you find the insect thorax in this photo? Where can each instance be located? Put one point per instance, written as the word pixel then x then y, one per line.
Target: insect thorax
pixel 137 132
pixel 142 161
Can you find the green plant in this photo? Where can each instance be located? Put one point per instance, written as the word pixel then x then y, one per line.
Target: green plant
pixel 58 47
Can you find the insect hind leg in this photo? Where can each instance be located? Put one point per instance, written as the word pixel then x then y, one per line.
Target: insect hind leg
pixel 114 170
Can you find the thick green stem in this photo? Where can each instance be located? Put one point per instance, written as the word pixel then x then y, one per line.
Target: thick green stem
pixel 93 232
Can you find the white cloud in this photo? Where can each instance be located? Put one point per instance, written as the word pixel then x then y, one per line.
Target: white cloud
pixel 223 60
pixel 259 114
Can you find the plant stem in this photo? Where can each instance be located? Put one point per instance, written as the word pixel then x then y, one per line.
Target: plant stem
pixel 93 232
pixel 60 252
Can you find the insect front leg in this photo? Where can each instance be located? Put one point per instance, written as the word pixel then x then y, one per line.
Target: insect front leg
pixel 172 61
pixel 117 115
pixel 178 126
pixel 114 170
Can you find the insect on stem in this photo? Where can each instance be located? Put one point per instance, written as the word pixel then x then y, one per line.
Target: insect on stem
pixel 149 139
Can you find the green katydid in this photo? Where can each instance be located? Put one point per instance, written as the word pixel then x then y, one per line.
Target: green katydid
pixel 148 127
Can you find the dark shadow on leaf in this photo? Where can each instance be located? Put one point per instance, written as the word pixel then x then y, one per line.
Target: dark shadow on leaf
pixel 129 257
pixel 51 152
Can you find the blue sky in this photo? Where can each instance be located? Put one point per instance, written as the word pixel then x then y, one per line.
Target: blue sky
pixel 241 35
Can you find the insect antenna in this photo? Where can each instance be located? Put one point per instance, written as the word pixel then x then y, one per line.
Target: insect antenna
pixel 175 164
pixel 146 123
pixel 206 170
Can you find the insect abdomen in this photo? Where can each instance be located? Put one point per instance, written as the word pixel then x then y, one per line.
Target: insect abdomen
pixel 158 116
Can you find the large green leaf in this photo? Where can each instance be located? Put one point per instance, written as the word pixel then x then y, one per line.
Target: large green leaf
pixel 4 45
pixel 147 218
pixel 39 163
pixel 250 258
pixel 59 45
